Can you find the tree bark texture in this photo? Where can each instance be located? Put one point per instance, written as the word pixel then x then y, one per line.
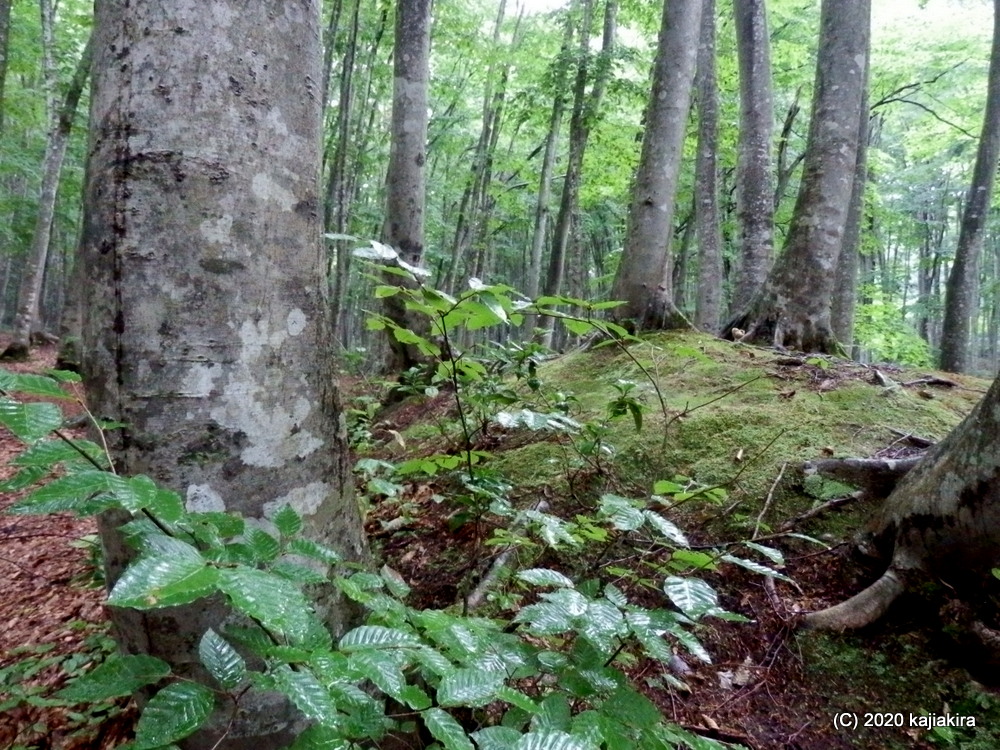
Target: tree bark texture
pixel 943 518
pixel 4 52
pixel 405 181
pixel 708 307
pixel 962 289
pixel 754 180
pixel 644 278
pixel 792 309
pixel 205 294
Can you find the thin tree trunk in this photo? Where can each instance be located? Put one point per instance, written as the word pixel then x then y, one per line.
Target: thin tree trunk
pixel 4 54
pixel 55 152
pixel 754 190
pixel 963 281
pixel 644 278
pixel 708 308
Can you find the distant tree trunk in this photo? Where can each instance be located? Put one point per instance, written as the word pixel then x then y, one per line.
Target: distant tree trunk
pixel 644 278
pixel 943 518
pixel 709 302
pixel 205 302
pixel 963 281
pixel 845 292
pixel 793 307
pixel 55 152
pixel 583 115
pixel 4 53
pixel 405 183
pixel 542 203
pixel 754 182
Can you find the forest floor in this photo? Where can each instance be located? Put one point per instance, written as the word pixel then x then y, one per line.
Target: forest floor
pixel 736 417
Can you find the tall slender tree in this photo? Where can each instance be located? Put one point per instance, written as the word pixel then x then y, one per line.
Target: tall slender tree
pixel 644 281
pixel 205 306
pixel 963 280
pixel 793 307
pixel 754 180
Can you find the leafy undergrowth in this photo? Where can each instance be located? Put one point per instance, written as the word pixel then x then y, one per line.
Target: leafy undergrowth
pixel 735 425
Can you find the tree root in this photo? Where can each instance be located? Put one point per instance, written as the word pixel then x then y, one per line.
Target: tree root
pixel 876 476
pixel 861 609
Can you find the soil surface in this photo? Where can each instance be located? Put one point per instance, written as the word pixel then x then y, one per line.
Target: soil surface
pixel 761 690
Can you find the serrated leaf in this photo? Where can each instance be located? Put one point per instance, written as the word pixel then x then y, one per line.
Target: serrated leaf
pixel 772 554
pixel 172 714
pixel 164 581
pixel 496 738
pixel 394 582
pixel 297 573
pixel 622 512
pixel 287 521
pixel 382 668
pixel 446 730
pixel 319 737
pixel 376 637
pixel 22 479
pixel 263 546
pixel 118 676
pixel 306 692
pixel 47 453
pixel 314 550
pixel 690 595
pixel 469 687
pixel 274 602
pixel 30 421
pixel 553 740
pixel 74 492
pixel 221 660
pixel 165 504
pixel 545 577
pixel 666 528
pixel 518 699
pixel 33 384
pixel 755 567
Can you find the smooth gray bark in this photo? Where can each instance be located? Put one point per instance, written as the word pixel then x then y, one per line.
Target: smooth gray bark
pixel 708 218
pixel 963 282
pixel 793 307
pixel 645 274
pixel 754 179
pixel 205 294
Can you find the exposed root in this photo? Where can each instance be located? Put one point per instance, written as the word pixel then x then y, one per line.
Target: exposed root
pixel 861 609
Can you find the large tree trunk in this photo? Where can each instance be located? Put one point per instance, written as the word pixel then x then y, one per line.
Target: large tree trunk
pixel 645 276
pixel 963 281
pixel 754 181
pixel 205 306
pixel 793 307
pixel 943 518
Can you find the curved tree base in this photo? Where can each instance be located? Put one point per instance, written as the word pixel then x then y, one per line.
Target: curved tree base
pixel 767 324
pixel 16 352
pixel 861 609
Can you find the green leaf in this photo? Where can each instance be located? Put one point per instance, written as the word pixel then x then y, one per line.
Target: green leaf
pixel 382 668
pixel 755 567
pixel 75 492
pixel 31 421
pixel 287 521
pixel 665 528
pixel 554 715
pixel 177 574
pixel 772 554
pixel 297 573
pixel 691 596
pixel 496 738
pixel 446 730
pixel 314 550
pixel 118 676
pixel 377 637
pixel 33 385
pixel 172 714
pixel 306 692
pixel 469 687
pixel 264 547
pixel 165 504
pixel 319 737
pixel 545 577
pixel 48 453
pixel 622 511
pixel 551 740
pixel 221 660
pixel 518 699
pixel 274 602
pixel 23 479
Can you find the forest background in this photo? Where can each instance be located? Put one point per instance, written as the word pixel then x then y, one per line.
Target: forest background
pixel 506 79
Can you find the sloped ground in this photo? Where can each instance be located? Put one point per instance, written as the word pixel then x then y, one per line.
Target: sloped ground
pixel 736 416
pixel 745 419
